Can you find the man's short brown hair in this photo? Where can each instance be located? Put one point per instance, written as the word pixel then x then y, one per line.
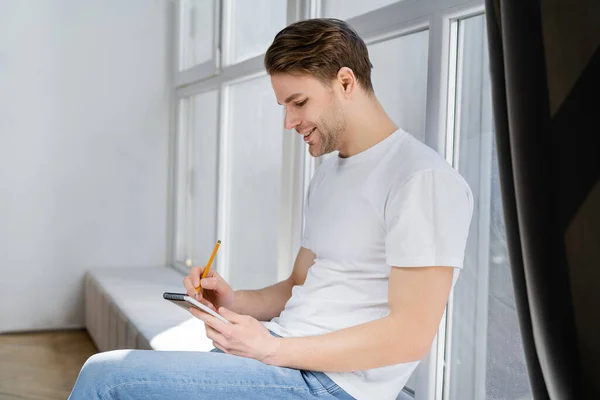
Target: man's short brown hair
pixel 320 47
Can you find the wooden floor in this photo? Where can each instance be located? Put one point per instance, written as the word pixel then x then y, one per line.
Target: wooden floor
pixel 42 365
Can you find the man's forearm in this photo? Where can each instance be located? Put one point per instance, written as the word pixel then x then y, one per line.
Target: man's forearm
pixel 370 345
pixel 264 304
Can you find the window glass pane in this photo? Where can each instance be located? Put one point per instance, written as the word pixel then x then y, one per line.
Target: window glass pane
pixel 399 78
pixel 196 32
pixel 346 9
pixel 254 164
pixel 253 26
pixel 486 354
pixel 197 178
pixel 204 177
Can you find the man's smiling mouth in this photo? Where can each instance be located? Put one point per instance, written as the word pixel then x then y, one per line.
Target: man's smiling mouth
pixel 308 135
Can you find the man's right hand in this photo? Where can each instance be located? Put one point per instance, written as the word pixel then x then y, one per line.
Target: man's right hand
pixel 215 291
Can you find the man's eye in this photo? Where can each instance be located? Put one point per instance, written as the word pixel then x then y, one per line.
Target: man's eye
pixel 301 103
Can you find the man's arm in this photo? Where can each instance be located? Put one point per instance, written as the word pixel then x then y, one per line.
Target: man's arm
pixel 267 303
pixel 417 298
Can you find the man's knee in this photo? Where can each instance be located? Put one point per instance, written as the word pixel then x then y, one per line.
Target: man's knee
pixel 98 374
pixel 101 364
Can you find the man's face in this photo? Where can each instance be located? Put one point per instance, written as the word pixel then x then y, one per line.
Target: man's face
pixel 312 109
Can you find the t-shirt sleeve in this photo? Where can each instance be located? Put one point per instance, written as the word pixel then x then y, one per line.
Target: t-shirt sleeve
pixel 427 220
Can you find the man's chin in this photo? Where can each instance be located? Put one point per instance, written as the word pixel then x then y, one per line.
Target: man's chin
pixel 314 151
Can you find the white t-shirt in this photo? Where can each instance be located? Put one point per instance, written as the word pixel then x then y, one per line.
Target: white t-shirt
pixel 397 203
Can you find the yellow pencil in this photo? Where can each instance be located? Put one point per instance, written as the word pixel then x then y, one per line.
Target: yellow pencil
pixel 210 261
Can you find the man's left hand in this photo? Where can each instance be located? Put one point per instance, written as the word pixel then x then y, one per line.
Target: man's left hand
pixel 245 336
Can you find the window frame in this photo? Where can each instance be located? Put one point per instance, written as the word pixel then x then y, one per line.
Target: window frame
pixel 203 70
pixel 483 211
pixel 213 75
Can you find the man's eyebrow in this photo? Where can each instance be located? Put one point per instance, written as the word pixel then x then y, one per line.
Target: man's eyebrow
pixel 290 98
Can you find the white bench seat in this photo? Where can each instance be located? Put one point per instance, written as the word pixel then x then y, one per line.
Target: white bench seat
pixel 124 309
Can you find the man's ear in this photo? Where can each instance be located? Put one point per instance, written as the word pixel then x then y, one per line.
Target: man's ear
pixel 347 80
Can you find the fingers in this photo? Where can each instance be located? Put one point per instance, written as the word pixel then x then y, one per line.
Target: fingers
pixel 194 275
pixel 193 282
pixel 211 321
pixel 209 283
pixel 212 274
pixel 218 346
pixel 215 336
pixel 233 317
pixel 189 287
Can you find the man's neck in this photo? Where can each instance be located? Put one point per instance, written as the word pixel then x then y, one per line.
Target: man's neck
pixel 366 128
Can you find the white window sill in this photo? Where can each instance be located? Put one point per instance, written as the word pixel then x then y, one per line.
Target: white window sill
pixel 125 309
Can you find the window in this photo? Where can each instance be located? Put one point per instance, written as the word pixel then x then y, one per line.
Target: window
pixel 399 79
pixel 238 174
pixel 198 38
pixel 197 177
pixel 242 178
pixel 485 350
pixel 197 28
pixel 252 183
pixel 251 27
pixel 346 9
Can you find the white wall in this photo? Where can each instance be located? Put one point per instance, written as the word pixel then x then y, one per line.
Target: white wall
pixel 84 123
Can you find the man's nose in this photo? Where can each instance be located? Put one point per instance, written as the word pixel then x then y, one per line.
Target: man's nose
pixel 290 121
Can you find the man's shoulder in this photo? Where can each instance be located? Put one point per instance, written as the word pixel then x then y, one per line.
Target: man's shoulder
pixel 409 157
pixel 411 164
pixel 422 166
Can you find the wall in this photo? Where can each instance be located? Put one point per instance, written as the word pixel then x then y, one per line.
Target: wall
pixel 84 122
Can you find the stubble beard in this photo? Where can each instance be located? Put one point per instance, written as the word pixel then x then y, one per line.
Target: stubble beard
pixel 331 130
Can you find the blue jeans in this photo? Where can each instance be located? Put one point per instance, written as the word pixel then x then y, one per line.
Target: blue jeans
pixel 147 374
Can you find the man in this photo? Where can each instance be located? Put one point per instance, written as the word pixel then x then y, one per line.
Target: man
pixel 386 227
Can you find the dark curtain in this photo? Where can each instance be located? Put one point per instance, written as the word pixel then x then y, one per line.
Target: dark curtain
pixel 545 71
